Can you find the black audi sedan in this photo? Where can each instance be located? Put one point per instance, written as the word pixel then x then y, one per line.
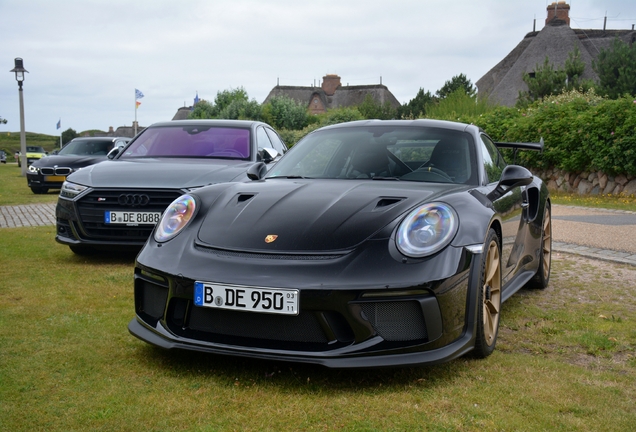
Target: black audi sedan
pixel 50 172
pixel 371 243
pixel 114 205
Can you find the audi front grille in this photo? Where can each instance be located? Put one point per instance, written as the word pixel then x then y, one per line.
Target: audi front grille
pixel 92 207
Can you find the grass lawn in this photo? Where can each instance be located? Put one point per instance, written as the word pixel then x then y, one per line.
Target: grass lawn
pixel 565 361
pixel 14 189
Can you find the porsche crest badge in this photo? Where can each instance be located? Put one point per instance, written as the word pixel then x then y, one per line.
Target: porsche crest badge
pixel 270 238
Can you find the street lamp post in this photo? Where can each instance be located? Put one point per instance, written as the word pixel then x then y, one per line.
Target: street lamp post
pixel 19 77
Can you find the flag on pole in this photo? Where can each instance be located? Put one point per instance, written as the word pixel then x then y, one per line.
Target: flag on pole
pixel 59 123
pixel 138 94
pixel 137 103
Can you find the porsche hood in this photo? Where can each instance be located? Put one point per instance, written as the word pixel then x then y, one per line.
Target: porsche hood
pixel 281 216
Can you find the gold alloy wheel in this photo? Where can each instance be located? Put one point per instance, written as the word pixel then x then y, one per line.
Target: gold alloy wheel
pixel 491 293
pixel 547 244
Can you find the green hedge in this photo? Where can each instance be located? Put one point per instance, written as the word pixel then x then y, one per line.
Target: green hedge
pixel 582 132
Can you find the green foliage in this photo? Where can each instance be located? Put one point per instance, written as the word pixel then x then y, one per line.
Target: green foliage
pixel 582 132
pixel 203 110
pixel 616 68
pixel 416 107
pixel 458 82
pixel 546 81
pixel 459 106
pixel 371 109
pixel 68 135
pixel 231 104
pixel 283 112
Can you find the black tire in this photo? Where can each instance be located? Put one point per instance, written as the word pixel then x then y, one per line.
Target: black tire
pixel 542 277
pixel 39 190
pixel 488 298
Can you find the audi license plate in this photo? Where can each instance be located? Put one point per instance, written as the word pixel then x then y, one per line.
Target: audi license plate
pixel 250 299
pixel 131 218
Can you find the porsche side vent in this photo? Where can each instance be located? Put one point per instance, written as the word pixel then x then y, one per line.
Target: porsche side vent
pixel 387 202
pixel 396 321
pixel 244 197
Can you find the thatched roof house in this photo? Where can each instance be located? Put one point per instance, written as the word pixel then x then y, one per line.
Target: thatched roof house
pixel 332 94
pixel 556 40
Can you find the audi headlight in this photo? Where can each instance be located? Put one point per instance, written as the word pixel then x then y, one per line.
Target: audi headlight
pixel 426 230
pixel 175 218
pixel 33 170
pixel 71 190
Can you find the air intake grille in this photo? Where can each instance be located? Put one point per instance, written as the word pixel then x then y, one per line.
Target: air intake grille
pixel 302 328
pixel 92 208
pixel 396 321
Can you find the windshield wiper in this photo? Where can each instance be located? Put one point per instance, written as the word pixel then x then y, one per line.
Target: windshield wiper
pixel 289 177
pixel 385 178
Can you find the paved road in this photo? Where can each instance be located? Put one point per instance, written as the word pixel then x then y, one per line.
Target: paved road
pixel 595 233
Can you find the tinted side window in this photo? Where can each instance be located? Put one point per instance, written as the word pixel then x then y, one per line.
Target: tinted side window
pixel 494 163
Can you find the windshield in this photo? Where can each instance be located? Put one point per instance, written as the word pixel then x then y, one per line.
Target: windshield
pixel 191 141
pixel 34 149
pixel 87 148
pixel 383 152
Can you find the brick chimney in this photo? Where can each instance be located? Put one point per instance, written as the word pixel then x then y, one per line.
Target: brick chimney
pixel 330 83
pixel 558 11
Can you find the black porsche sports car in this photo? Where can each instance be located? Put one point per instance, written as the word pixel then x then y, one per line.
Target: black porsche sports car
pixel 114 205
pixel 51 171
pixel 371 243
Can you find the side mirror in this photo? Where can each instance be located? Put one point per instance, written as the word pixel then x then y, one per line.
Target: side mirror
pixel 257 171
pixel 113 152
pixel 511 177
pixel 268 154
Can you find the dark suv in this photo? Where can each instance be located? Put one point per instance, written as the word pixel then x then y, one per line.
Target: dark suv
pixel 116 204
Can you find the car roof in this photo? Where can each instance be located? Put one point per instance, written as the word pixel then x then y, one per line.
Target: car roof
pixel 99 138
pixel 443 124
pixel 210 122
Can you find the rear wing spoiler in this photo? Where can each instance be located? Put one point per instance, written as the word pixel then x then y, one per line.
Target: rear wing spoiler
pixel 538 146
pixel 516 146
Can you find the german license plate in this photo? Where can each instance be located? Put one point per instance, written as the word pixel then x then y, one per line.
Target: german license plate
pixel 54 178
pixel 250 299
pixel 131 218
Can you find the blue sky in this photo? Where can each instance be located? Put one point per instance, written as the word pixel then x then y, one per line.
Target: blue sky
pixel 86 58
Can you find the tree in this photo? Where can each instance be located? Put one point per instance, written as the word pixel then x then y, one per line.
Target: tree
pixel 546 81
pixel 226 97
pixel 370 109
pixel 202 110
pixel 574 68
pixel 457 82
pixel 616 69
pixel 283 112
pixel 68 135
pixel 416 107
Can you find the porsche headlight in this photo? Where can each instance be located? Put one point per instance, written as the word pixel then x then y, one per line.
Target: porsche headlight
pixel 427 230
pixel 175 218
pixel 71 190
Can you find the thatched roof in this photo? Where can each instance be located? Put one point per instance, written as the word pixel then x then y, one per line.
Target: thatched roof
pixel 342 96
pixel 556 40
